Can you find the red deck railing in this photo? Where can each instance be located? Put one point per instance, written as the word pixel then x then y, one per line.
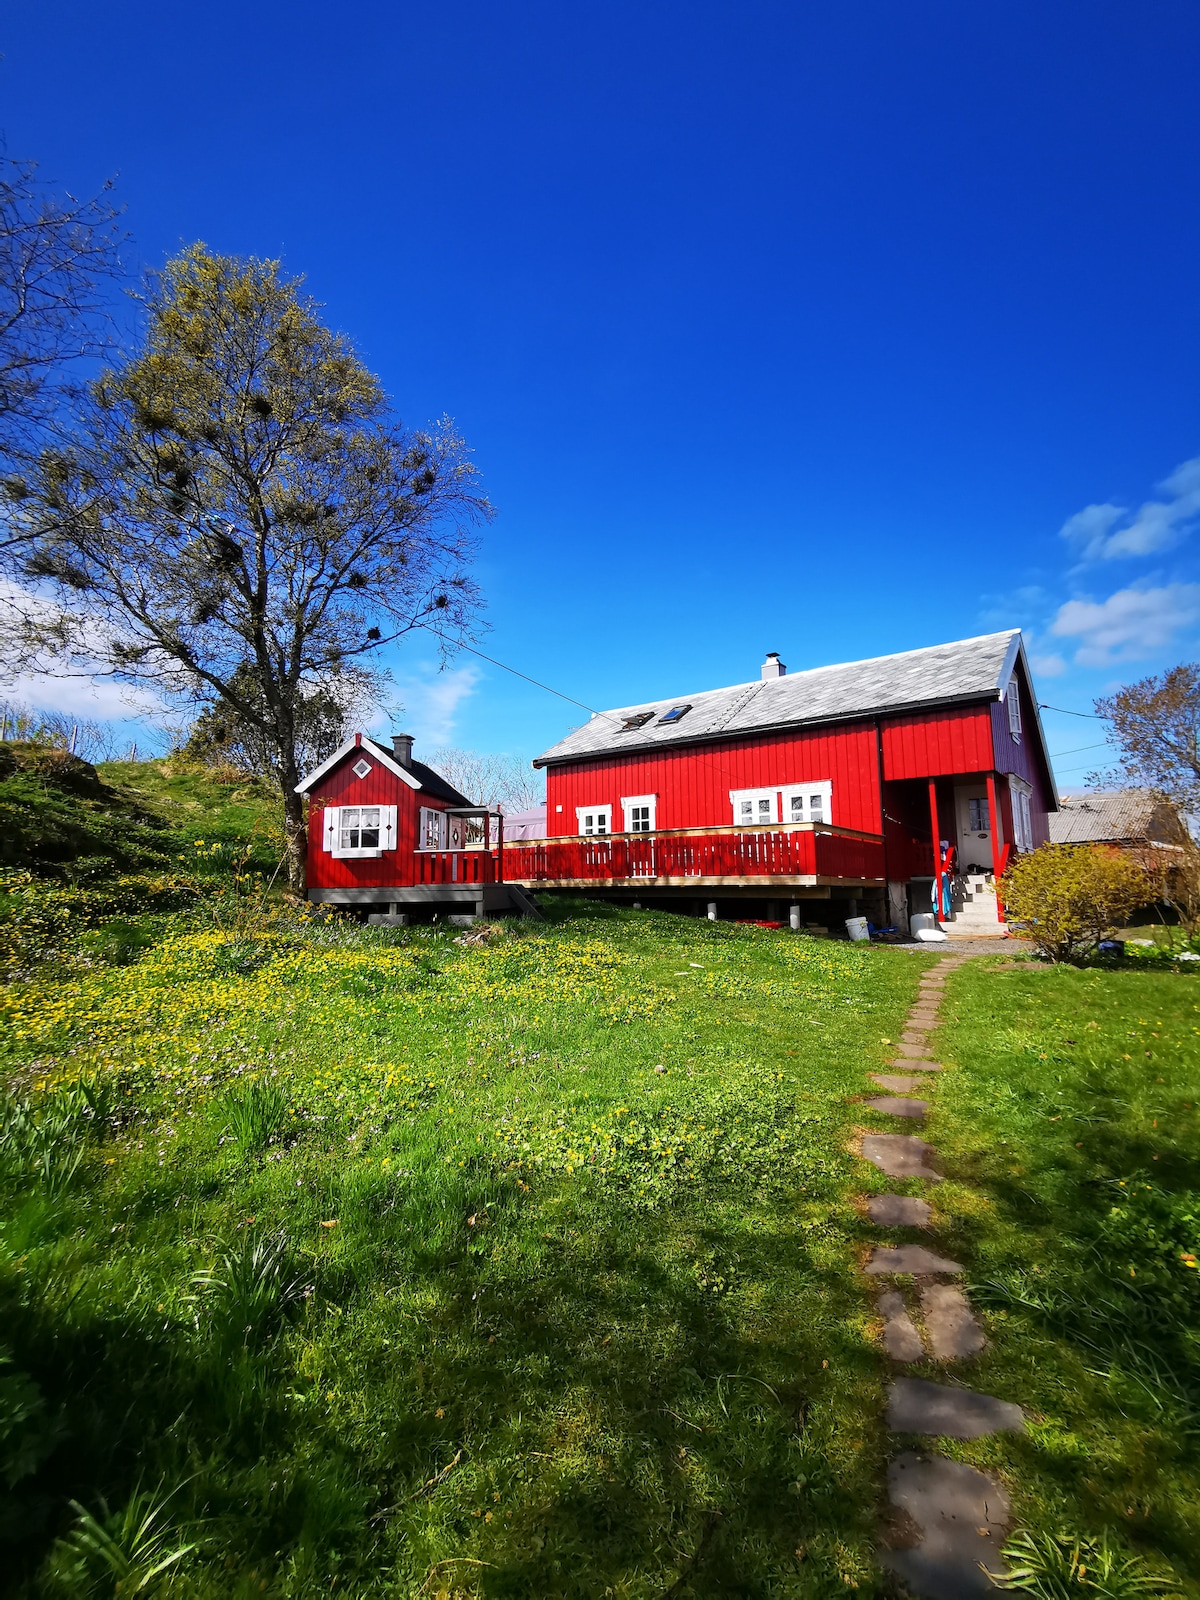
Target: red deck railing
pixel 805 851
pixel 454 866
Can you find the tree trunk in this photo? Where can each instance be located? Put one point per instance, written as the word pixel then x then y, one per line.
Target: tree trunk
pixel 296 832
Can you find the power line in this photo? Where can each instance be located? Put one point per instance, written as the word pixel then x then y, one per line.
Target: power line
pixel 459 645
pixel 1062 711
pixel 1077 749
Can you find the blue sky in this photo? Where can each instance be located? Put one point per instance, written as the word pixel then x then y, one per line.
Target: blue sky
pixel 772 325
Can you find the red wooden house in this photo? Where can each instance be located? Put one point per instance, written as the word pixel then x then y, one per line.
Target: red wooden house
pixel 388 835
pixel 884 785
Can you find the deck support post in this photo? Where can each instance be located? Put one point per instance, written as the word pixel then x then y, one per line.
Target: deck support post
pixel 712 910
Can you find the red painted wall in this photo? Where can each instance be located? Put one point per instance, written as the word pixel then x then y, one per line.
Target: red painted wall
pixel 343 787
pixel 933 743
pixel 693 784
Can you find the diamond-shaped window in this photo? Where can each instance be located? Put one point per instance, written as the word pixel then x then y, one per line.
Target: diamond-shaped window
pixel 361 768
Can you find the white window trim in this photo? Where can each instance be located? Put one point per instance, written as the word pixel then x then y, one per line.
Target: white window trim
pixel 331 824
pixel 1020 794
pixel 1013 699
pixel 426 812
pixel 594 811
pixel 822 786
pixel 736 796
pixel 628 801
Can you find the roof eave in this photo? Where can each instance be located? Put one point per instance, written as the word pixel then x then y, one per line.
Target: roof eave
pixel 358 742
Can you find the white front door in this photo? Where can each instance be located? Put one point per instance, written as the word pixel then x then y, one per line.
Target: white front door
pixel 974 827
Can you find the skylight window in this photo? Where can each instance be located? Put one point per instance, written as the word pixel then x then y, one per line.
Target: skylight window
pixel 638 720
pixel 675 714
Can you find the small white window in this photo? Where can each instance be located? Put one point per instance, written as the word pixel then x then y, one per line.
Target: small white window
pixel 433 829
pixel 359 830
pixel 594 819
pixel 1022 813
pixel 977 815
pixel 754 808
pixel 1013 698
pixel 639 812
pixel 808 802
pixel 361 768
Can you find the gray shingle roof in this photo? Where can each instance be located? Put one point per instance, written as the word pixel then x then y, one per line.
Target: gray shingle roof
pixel 970 669
pixel 1114 817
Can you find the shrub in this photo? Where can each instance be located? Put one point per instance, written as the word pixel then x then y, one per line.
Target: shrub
pixel 1057 1566
pixel 1066 898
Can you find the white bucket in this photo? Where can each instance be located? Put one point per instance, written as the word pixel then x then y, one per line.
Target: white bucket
pixel 856 927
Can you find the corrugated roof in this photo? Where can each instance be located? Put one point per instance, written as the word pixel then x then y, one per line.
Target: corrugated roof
pixel 970 669
pixel 1116 817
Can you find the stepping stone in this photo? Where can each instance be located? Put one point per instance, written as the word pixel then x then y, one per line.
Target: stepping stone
pixel 900 1337
pixel 900 1155
pixel 897 1107
pixel 898 1211
pixel 950 1325
pixel 897 1082
pixel 917 1036
pixel 917 1406
pixel 917 1052
pixel 962 1516
pixel 917 1064
pixel 908 1258
pixel 921 1022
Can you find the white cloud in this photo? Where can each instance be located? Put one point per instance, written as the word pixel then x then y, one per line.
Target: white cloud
pixel 1157 524
pixel 98 699
pixel 1128 625
pixel 432 701
pixel 1048 666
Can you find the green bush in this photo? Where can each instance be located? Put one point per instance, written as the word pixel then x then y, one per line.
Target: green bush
pixel 1066 898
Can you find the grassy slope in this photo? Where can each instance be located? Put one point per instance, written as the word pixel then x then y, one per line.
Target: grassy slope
pixel 1070 1130
pixel 620 1306
pixel 139 816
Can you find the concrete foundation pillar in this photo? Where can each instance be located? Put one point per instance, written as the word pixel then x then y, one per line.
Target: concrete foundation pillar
pixel 794 917
pixel 712 910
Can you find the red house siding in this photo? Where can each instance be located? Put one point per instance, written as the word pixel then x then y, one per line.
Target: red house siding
pixel 693 784
pixel 934 743
pixel 343 787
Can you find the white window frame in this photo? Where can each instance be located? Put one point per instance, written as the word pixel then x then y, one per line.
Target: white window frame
pixel 435 816
pixel 804 792
pixel 648 801
pixel 739 797
pixel 1013 698
pixel 1020 794
pixel 331 826
pixel 602 813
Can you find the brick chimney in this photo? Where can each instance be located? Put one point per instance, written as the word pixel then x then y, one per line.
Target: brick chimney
pixel 402 744
pixel 772 667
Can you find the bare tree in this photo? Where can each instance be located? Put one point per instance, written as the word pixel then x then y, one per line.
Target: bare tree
pixel 241 520
pixel 57 254
pixel 1156 726
pixel 490 780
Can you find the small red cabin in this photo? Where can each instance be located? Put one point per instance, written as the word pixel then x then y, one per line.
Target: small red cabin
pixel 894 785
pixel 388 834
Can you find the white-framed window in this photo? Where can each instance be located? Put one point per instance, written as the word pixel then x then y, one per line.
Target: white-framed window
pixel 432 835
pixel 1013 697
pixel 640 812
pixel 358 831
pixel 594 819
pixel 754 808
pixel 808 802
pixel 1022 813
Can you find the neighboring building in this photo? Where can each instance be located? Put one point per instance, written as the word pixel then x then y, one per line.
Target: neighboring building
pixel 1115 816
pixel 522 825
pixel 388 835
pixel 833 784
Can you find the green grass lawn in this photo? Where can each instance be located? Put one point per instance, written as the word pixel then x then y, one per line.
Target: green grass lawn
pixel 407 1267
pixel 1070 1129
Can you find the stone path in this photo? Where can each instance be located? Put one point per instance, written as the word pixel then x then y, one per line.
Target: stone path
pixel 947 1521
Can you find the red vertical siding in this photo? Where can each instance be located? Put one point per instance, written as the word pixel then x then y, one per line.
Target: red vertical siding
pixel 343 787
pixel 935 743
pixel 693 784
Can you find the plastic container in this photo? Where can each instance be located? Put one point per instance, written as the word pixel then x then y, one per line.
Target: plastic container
pixel 924 927
pixel 857 929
